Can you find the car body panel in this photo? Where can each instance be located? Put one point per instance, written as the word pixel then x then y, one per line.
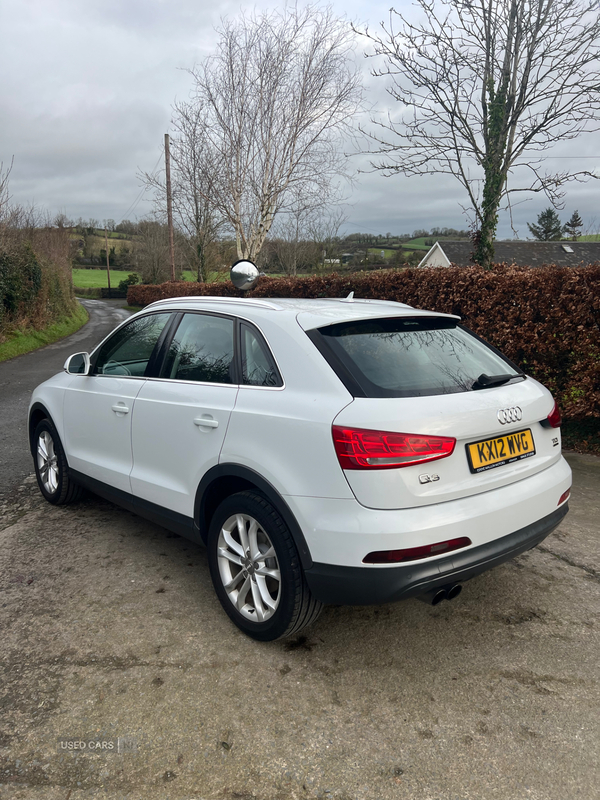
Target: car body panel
pixel 97 436
pixel 171 452
pixel 465 416
pixel 344 532
pixel 326 313
pixel 430 579
pixel 288 439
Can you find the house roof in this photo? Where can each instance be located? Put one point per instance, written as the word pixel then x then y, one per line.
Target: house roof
pixel 526 254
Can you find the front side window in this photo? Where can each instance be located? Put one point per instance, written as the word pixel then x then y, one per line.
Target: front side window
pixel 128 351
pixel 202 350
pixel 412 357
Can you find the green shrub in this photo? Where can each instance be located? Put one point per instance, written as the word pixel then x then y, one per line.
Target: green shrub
pixel 35 279
pixel 131 280
pixel 20 279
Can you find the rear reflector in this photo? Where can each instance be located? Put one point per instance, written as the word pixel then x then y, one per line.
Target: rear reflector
pixel 564 497
pixel 357 448
pixel 414 553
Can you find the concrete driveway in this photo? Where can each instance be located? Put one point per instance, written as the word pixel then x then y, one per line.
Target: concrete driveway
pixel 112 637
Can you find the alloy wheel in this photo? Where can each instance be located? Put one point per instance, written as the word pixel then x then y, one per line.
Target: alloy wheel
pixel 47 462
pixel 249 568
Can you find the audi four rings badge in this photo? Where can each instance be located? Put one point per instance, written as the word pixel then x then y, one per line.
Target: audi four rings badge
pixel 506 415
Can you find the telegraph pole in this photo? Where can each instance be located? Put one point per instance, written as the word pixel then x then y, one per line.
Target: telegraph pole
pixel 107 259
pixel 169 206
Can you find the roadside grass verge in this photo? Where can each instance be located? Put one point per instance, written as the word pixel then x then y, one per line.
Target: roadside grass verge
pixel 26 340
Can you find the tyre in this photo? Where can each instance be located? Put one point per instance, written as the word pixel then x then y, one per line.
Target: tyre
pixel 256 570
pixel 51 468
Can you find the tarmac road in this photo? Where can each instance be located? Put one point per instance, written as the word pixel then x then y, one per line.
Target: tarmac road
pixel 20 376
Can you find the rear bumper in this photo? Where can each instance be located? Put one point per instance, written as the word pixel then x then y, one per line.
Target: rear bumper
pixel 342 585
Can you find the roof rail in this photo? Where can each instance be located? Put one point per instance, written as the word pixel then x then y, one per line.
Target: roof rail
pixel 369 300
pixel 216 299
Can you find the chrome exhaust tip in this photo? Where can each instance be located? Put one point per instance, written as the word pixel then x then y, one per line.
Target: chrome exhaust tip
pixel 441 593
pixel 453 591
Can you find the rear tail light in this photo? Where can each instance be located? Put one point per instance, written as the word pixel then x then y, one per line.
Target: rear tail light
pixel 414 553
pixel 554 419
pixel 357 448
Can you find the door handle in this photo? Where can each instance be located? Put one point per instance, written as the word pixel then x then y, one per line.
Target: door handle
pixel 119 409
pixel 206 422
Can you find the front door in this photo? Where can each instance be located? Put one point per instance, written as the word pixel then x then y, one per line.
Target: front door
pixel 98 408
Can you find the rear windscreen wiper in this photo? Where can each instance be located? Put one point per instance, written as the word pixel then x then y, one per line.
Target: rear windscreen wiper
pixel 487 381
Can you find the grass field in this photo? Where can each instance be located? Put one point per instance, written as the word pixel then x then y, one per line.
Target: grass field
pixel 96 278
pixel 376 251
pixel 96 243
pixel 24 341
pixel 419 244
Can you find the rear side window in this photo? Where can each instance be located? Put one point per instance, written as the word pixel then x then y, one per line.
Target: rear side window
pixel 201 350
pixel 258 365
pixel 409 357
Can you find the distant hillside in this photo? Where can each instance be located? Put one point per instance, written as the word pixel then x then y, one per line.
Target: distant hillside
pixel 589 237
pixel 89 249
pixel 427 242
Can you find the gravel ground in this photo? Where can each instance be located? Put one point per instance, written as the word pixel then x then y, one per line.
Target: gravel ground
pixel 111 633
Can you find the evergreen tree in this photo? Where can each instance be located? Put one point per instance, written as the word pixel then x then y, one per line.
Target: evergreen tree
pixel 548 228
pixel 573 226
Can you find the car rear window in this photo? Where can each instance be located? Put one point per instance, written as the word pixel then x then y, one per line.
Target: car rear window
pixel 409 357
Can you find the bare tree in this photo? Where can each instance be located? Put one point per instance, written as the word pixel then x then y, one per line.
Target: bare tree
pixel 310 213
pixel 484 84
pixel 151 254
pixel 288 237
pixel 4 193
pixel 324 231
pixel 274 100
pixel 192 171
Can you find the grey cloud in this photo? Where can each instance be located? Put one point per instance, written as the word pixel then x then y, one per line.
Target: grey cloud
pixel 86 91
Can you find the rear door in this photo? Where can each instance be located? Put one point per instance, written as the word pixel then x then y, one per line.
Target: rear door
pixel 181 417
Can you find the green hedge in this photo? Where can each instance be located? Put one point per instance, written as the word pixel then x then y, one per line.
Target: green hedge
pixel 35 281
pixel 20 281
pixel 547 320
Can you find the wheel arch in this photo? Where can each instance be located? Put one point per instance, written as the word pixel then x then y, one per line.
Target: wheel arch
pixel 224 480
pixel 37 413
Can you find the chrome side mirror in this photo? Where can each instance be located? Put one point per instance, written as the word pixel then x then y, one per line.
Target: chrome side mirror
pixel 244 275
pixel 78 364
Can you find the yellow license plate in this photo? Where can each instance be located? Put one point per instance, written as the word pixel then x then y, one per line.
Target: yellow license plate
pixel 500 450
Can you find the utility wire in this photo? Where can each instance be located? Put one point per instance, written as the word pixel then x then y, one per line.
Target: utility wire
pixel 135 203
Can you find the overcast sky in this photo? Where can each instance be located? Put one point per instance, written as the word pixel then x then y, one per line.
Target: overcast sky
pixel 86 92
